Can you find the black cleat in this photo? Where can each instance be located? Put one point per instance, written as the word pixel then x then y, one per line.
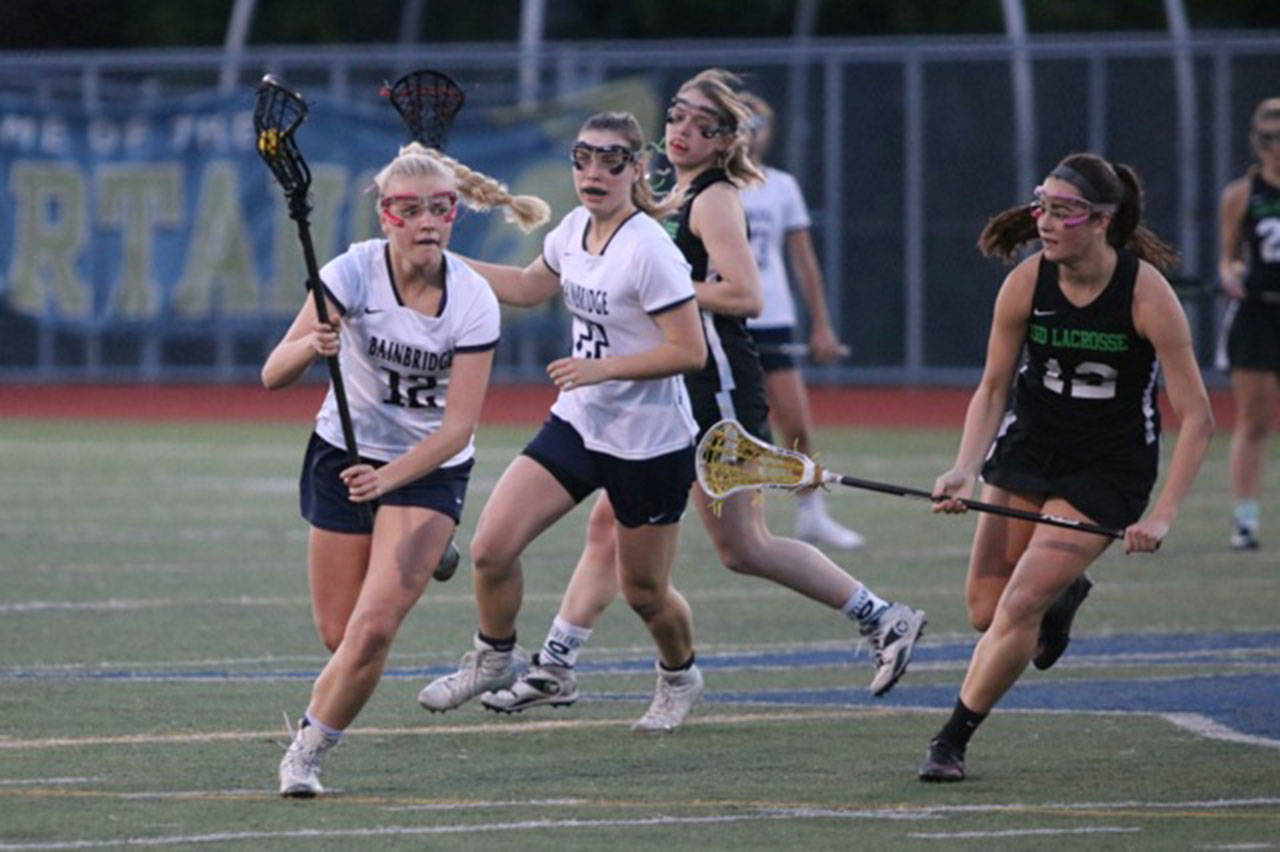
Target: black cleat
pixel 943 762
pixel 448 563
pixel 1055 626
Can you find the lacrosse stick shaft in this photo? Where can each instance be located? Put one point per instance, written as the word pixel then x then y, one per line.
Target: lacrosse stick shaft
pixel 322 312
pixel 977 505
pixel 796 350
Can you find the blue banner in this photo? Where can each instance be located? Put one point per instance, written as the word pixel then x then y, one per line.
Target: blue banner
pixel 162 216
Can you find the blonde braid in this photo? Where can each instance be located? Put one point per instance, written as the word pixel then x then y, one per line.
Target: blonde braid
pixel 481 192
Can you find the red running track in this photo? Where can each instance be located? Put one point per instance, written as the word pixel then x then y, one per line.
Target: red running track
pixel 919 407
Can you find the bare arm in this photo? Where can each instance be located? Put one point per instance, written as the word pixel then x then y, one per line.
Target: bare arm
pixel 987 405
pixel 306 340
pixel 717 219
pixel 1230 239
pixel 468 381
pixel 824 346
pixel 512 285
pixel 1158 317
pixel 682 349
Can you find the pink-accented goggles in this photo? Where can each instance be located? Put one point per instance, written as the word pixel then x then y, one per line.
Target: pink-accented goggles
pixel 1070 210
pixel 399 210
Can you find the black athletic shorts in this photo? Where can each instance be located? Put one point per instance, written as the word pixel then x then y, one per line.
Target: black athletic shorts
pixel 323 501
pixel 1254 340
pixel 643 491
pixel 1111 489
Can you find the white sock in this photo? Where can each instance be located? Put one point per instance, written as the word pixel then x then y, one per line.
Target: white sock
pixel 864 606
pixel 563 642
pixel 1246 514
pixel 809 503
pixel 330 734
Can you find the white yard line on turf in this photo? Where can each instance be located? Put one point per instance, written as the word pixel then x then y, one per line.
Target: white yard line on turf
pixel 758 813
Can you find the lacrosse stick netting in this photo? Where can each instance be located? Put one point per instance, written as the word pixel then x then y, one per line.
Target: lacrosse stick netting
pixel 427 101
pixel 730 460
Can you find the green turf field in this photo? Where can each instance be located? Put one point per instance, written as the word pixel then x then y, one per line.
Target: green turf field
pixel 155 629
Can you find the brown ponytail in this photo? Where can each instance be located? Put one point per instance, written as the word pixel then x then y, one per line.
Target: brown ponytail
pixel 1097 181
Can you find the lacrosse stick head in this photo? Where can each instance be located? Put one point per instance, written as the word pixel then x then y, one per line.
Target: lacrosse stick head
pixel 277 113
pixel 729 459
pixel 427 101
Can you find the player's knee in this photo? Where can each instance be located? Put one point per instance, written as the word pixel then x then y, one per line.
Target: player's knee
pixel 1023 606
pixel 737 556
pixel 369 635
pixel 644 598
pixel 490 557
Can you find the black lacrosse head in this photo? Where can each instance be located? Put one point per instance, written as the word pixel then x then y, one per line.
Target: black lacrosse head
pixel 427 101
pixel 277 113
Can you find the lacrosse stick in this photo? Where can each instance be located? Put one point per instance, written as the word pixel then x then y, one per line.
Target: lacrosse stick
pixel 796 349
pixel 730 460
pixel 277 113
pixel 427 101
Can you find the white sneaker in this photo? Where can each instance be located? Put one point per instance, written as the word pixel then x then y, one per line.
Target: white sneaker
pixel 893 638
pixel 674 697
pixel 299 768
pixel 481 670
pixel 815 526
pixel 542 684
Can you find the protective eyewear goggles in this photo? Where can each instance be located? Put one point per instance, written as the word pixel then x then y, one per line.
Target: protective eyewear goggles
pixel 706 121
pixel 614 159
pixel 1267 138
pixel 1070 210
pixel 401 209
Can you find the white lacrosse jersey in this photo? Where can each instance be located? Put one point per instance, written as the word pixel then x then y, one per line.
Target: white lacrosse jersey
pixel 395 360
pixel 612 297
pixel 774 209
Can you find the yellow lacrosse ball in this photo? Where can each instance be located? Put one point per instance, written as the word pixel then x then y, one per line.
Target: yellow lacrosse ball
pixel 269 142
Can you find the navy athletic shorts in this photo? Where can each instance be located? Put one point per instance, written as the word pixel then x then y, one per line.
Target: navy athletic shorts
pixel 643 491
pixel 771 343
pixel 323 498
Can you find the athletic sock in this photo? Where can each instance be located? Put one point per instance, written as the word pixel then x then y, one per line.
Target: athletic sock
pixel 330 734
pixel 563 642
pixel 508 644
pixel 806 503
pixel 1246 514
pixel 681 668
pixel 961 725
pixel 864 607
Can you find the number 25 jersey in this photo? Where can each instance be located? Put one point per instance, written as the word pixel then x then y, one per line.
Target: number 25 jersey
pixel 613 296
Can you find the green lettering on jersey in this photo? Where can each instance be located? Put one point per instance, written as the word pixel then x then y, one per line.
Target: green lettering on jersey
pixel 1082 338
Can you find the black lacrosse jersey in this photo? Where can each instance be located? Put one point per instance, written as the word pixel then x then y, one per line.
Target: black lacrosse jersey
pixel 1088 380
pixel 1261 228
pixel 731 382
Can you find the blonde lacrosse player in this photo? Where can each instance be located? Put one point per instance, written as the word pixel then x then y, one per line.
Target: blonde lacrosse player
pixel 415 338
